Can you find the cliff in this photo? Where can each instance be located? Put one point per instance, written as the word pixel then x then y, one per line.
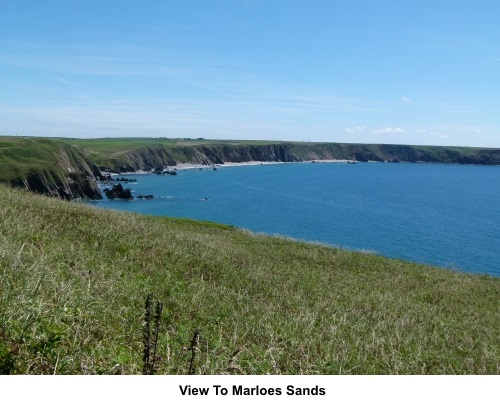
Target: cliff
pixel 212 152
pixel 158 155
pixel 48 167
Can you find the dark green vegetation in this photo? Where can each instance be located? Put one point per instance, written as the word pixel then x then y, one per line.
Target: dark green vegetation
pixel 70 168
pixel 74 280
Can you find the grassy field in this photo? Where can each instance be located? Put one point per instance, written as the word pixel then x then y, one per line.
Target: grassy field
pixel 125 144
pixel 115 145
pixel 118 146
pixel 74 281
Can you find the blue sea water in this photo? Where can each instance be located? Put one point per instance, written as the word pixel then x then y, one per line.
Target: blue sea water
pixel 445 215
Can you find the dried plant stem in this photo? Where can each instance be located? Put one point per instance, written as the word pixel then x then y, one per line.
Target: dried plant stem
pixel 158 312
pixel 146 335
pixel 194 348
pixel 150 340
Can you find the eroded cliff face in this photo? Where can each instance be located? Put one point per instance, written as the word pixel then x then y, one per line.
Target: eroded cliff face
pixel 219 153
pixel 161 156
pixel 402 153
pixel 69 176
pixel 69 187
pixel 142 159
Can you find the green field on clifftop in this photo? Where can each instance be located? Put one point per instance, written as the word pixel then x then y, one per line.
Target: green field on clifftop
pixel 74 281
pixel 21 156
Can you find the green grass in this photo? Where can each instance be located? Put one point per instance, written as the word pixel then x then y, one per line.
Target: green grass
pixel 118 146
pixel 22 156
pixel 74 280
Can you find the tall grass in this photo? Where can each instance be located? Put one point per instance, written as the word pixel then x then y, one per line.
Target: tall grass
pixel 74 280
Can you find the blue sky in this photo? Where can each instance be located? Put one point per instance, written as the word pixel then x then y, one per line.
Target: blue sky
pixel 371 71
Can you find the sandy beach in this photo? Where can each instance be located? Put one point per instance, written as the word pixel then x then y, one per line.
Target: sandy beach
pixel 188 166
pixel 182 166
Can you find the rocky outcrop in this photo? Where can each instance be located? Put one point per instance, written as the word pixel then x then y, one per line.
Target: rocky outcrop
pixel 145 197
pixel 118 192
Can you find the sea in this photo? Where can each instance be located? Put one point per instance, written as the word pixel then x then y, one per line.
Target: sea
pixel 439 214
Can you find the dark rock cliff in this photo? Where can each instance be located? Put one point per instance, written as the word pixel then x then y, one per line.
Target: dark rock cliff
pixel 159 156
pixel 67 186
pixel 146 159
pixel 218 153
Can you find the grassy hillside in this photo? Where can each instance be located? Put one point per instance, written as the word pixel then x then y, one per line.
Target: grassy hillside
pixel 47 166
pixel 74 280
pixel 21 156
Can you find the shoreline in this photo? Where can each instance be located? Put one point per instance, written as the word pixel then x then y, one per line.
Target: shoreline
pixel 199 166
pixel 183 166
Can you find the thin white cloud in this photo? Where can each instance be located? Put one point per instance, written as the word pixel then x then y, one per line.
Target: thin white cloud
pixel 434 133
pixel 405 100
pixel 214 90
pixel 389 130
pixel 67 82
pixel 356 130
